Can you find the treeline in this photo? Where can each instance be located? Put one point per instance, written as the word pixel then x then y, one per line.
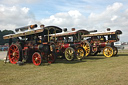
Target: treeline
pixel 2 33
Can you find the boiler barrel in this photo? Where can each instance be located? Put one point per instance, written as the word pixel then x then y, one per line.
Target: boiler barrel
pixel 104 44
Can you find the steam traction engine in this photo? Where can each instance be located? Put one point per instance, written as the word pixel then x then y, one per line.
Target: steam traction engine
pixel 69 44
pixel 32 44
pixel 103 41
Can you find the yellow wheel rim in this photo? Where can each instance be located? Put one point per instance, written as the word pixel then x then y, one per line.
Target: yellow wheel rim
pixel 108 52
pixel 80 53
pixel 86 47
pixel 69 54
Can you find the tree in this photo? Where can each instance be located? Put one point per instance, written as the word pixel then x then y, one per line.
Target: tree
pixel 2 33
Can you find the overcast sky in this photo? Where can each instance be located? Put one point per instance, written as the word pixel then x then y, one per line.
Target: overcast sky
pixel 80 14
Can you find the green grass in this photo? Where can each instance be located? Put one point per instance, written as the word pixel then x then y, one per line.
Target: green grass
pixel 95 70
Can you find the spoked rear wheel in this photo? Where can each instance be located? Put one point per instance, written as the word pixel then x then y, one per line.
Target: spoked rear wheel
pixel 94 50
pixel 51 58
pixel 69 53
pixel 80 53
pixel 87 47
pixel 15 53
pixel 115 51
pixel 37 58
pixel 108 51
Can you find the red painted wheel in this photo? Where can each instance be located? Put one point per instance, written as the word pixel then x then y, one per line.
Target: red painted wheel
pixel 14 53
pixel 51 58
pixel 37 58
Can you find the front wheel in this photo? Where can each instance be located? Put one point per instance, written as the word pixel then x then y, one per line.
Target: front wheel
pixel 80 53
pixel 69 53
pixel 37 58
pixel 108 52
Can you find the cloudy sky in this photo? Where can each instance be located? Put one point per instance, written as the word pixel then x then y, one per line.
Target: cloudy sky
pixel 81 14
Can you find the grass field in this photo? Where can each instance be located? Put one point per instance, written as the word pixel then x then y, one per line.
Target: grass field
pixel 95 70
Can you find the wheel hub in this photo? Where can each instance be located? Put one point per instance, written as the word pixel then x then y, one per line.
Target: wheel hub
pixel 14 54
pixel 36 59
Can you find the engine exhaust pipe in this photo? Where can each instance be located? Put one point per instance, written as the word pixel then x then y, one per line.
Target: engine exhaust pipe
pixel 26 28
pixel 93 31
